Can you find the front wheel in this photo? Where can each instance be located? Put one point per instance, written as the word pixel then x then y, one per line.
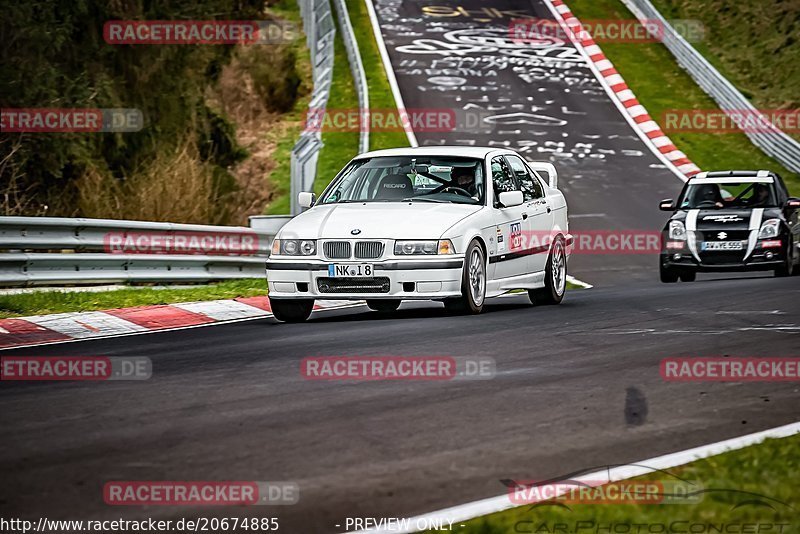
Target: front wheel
pixel 667 275
pixel 383 306
pixel 555 277
pixel 473 283
pixel 291 311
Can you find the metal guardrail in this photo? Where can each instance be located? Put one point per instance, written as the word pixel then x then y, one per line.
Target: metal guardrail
pixel 320 33
pixel 52 250
pixel 320 30
pixel 775 143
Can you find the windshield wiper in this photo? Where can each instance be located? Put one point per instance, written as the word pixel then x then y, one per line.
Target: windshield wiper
pixel 412 199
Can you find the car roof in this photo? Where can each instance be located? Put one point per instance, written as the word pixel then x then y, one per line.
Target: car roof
pixel 442 150
pixel 735 174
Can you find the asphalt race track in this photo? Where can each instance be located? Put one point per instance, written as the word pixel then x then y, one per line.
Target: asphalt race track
pixel 577 385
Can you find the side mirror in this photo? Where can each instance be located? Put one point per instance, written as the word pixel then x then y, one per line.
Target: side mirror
pixel 666 205
pixel 306 200
pixel 793 203
pixel 509 199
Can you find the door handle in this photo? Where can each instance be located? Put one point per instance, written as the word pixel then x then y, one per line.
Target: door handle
pixel 524 216
pixel 548 209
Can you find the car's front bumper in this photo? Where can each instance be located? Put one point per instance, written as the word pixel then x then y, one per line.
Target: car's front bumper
pixel 758 261
pixel 407 279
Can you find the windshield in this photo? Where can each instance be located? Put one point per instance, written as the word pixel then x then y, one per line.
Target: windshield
pixel 729 195
pixel 410 179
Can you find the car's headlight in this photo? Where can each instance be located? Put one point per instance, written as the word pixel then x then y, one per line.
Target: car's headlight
pixel 677 230
pixel 294 247
pixel 770 229
pixel 408 248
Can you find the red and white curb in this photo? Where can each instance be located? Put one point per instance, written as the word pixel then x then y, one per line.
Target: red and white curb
pixel 626 101
pixel 63 327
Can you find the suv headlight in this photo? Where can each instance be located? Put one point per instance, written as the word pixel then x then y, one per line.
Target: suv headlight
pixel 294 247
pixel 677 231
pixel 409 248
pixel 769 229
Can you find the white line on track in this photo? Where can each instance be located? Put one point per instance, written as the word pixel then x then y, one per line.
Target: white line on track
pixel 387 66
pixel 580 283
pixel 458 514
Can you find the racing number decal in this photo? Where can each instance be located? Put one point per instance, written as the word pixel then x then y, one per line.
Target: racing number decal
pixel 516 236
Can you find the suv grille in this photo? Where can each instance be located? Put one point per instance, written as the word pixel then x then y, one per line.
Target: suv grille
pixel 730 235
pixel 337 250
pixel 353 285
pixel 369 250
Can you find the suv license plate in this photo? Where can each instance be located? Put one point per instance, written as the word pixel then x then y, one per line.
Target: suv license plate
pixel 722 245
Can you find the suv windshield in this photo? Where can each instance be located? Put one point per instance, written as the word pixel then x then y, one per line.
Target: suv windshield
pixel 409 179
pixel 710 195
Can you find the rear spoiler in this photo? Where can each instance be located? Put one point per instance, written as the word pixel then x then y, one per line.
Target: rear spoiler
pixel 546 171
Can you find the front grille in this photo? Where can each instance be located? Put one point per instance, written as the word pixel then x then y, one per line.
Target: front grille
pixel 337 250
pixel 353 285
pixel 730 235
pixel 369 250
pixel 723 257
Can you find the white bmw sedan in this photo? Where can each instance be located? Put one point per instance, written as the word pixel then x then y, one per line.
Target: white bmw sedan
pixel 453 224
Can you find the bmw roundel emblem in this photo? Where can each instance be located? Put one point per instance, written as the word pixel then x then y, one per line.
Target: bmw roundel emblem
pixel 355 231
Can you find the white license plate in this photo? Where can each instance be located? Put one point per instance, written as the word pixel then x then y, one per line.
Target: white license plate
pixel 358 270
pixel 722 245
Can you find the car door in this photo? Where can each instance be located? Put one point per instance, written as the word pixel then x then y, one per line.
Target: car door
pixel 538 212
pixel 509 258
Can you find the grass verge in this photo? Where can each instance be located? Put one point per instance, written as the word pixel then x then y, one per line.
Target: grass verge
pixel 753 43
pixel 339 146
pixel 660 84
pixel 753 486
pixel 380 92
pixel 44 302
pixel 41 303
pixel 287 132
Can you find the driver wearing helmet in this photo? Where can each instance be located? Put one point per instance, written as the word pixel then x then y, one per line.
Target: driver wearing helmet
pixel 464 178
pixel 708 194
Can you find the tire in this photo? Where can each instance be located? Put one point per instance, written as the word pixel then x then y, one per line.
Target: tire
pixel 788 268
pixel 667 275
pixel 473 283
pixel 383 306
pixel 688 276
pixel 555 277
pixel 291 311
